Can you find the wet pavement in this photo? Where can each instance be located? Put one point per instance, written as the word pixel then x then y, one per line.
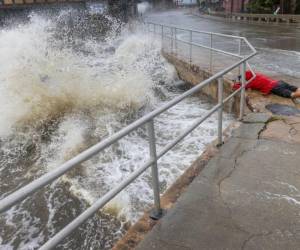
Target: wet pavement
pixel 262 36
pixel 282 109
pixel 246 198
pixel 278 46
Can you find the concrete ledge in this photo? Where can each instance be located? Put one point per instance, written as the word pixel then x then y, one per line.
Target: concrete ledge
pixel 137 232
pixel 193 75
pixel 257 118
pixel 245 198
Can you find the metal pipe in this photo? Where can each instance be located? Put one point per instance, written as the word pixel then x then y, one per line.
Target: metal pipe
pixel 111 194
pixel 215 50
pixel 232 95
pixel 249 45
pixel 195 125
pixel 202 32
pixel 218 50
pixel 252 71
pixel 210 54
pixel 42 181
pixel 62 234
pixel 239 53
pixel 243 91
pixel 187 131
pixel 191 46
pixel 215 34
pixel 239 47
pixel 24 192
pixel 175 41
pixel 220 111
pixel 236 92
pixel 171 39
pixel 162 35
pixel 155 180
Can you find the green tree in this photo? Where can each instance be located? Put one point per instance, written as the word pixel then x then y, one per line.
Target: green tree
pixel 262 6
pixel 297 11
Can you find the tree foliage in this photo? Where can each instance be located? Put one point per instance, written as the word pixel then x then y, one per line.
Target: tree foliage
pixel 262 6
pixel 297 11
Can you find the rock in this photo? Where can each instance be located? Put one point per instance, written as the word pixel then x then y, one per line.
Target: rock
pixel 257 118
pixel 281 130
pixel 281 109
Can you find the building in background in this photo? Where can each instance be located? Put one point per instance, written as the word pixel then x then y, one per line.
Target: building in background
pixel 235 5
pixel 210 5
pixel 288 6
pixel 161 4
pixel 260 6
pixel 215 4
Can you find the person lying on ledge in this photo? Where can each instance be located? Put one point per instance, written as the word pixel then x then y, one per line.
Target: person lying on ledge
pixel 266 85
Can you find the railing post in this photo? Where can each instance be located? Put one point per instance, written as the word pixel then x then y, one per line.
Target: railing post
pixel 210 54
pixel 162 35
pixel 175 36
pixel 172 40
pixel 156 213
pixel 191 46
pixel 220 111
pixel 243 91
pixel 239 52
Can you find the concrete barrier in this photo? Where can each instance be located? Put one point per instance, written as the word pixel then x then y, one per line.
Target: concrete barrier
pixel 193 74
pixel 259 18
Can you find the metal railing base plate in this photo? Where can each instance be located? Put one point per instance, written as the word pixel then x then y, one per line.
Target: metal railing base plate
pixel 156 215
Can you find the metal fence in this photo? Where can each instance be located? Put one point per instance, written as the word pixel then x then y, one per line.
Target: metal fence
pixel 148 120
pixel 211 51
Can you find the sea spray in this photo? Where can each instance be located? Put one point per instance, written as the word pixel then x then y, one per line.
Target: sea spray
pixel 62 94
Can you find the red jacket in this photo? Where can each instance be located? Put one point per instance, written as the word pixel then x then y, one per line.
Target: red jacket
pixel 260 82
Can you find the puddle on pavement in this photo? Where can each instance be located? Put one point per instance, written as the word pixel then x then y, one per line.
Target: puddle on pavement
pixel 281 109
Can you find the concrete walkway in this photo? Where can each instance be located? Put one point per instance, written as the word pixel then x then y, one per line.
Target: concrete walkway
pixel 247 197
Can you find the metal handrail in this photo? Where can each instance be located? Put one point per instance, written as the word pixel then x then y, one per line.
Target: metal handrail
pixel 148 119
pixel 174 29
pixel 196 31
pixel 206 47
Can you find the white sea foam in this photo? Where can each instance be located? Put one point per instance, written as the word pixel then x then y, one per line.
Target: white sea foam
pixel 143 7
pixel 56 101
pixel 277 62
pixel 39 81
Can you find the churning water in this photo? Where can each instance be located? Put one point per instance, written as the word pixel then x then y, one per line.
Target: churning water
pixel 63 89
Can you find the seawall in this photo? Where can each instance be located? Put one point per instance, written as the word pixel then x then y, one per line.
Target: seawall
pixel 193 75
